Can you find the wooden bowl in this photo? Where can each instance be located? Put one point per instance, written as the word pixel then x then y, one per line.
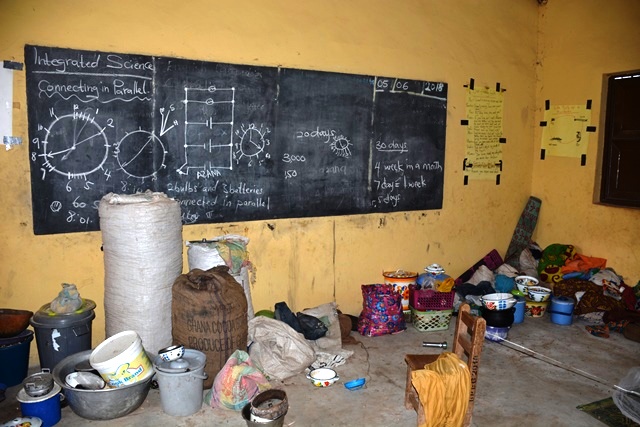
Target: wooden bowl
pixel 13 322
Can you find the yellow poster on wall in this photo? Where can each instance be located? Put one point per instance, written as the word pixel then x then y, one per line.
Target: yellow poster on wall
pixel 565 131
pixel 484 129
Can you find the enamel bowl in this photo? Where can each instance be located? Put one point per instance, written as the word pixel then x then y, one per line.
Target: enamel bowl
pixel 523 283
pixel 169 354
pixel 538 293
pixel 323 377
pixel 498 301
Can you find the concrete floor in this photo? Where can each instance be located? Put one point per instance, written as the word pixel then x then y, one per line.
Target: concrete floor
pixel 514 389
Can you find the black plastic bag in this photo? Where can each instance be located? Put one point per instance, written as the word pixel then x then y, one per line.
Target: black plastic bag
pixel 312 327
pixel 283 313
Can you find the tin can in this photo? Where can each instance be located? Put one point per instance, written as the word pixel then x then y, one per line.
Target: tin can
pixel 400 280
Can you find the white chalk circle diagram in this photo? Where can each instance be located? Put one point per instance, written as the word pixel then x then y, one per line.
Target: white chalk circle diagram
pixel 141 154
pixel 341 147
pixel 75 146
pixel 253 142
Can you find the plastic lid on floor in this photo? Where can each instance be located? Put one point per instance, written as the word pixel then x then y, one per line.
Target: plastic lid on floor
pixel 23 421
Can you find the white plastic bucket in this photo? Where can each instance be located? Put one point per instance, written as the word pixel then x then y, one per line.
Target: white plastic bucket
pixel 121 359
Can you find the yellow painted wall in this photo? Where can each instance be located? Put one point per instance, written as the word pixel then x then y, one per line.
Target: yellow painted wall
pixel 581 40
pixel 311 261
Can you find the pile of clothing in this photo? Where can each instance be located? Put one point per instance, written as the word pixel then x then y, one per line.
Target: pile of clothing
pixel 601 296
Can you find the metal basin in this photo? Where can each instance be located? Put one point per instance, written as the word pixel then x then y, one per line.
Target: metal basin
pixel 105 404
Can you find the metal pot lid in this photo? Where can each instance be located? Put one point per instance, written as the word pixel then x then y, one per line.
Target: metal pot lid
pixel 84 366
pixel 39 384
pixel 174 366
pixel 400 274
pixel 23 397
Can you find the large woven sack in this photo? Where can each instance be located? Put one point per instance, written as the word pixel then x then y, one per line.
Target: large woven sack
pixel 142 244
pixel 209 314
pixel 278 349
pixel 229 250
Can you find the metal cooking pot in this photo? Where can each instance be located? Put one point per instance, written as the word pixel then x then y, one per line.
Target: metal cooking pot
pixel 270 404
pixel 499 318
pixel 39 384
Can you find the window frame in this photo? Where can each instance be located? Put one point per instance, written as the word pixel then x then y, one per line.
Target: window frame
pixel 606 192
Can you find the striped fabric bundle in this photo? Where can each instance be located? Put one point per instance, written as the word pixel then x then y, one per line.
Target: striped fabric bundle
pixel 237 383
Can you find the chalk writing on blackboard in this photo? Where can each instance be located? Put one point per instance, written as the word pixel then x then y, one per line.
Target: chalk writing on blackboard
pixel 229 142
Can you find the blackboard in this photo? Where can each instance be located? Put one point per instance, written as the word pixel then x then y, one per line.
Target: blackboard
pixel 229 142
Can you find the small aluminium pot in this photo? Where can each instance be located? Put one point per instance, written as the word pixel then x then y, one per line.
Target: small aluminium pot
pixel 269 405
pixel 38 384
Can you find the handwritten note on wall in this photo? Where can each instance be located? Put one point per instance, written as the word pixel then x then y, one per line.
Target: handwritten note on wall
pixel 483 149
pixel 565 133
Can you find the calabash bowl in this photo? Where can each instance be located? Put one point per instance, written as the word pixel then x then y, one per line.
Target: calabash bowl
pixel 13 322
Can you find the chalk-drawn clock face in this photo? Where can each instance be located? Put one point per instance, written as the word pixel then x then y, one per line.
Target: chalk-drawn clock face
pixel 253 142
pixel 141 154
pixel 75 146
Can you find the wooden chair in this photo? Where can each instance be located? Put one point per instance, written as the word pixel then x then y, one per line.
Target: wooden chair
pixel 467 345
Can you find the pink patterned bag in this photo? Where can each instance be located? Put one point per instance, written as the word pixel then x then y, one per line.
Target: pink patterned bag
pixel 381 311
